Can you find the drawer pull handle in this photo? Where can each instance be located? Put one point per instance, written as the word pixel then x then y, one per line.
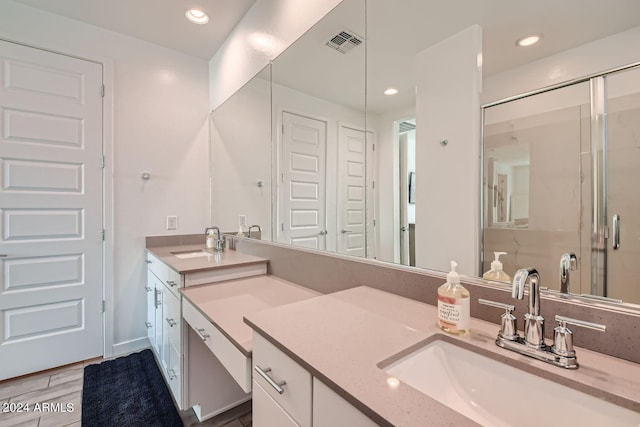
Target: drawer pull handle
pixel 148 325
pixel 171 322
pixel 172 283
pixel 172 374
pixel 200 331
pixel 264 374
pixel 148 289
pixel 148 261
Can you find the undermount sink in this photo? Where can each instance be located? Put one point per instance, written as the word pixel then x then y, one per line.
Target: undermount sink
pixel 192 254
pixel 494 394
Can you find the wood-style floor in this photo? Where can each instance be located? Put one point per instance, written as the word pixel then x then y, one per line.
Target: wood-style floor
pixel 55 400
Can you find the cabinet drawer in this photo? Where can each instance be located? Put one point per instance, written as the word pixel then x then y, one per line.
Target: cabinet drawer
pixel 172 318
pixel 266 412
pixel 235 362
pixel 296 392
pixel 174 373
pixel 158 267
pixel 172 281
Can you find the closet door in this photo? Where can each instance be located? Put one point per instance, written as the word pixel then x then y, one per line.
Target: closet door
pixel 623 185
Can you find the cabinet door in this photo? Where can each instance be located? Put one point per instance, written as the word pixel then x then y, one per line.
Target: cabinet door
pixel 331 410
pixel 150 323
pixel 171 337
pixel 159 346
pixel 266 412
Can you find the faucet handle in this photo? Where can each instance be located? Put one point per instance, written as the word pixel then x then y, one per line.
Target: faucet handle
pixel 563 336
pixel 508 328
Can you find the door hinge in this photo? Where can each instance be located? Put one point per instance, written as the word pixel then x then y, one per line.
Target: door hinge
pixel 282 226
pixel 102 234
pixel 374 147
pixel 104 304
pixel 282 178
pixel 374 222
pixel 102 162
pixel 373 184
pixel 283 128
pixel 102 90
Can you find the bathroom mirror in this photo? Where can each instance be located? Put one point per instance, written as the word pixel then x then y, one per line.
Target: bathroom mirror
pixel 316 82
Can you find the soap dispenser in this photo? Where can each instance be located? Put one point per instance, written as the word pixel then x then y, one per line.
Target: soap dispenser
pixel 496 273
pixel 453 304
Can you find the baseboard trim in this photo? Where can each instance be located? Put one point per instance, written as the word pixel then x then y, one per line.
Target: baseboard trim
pixel 130 346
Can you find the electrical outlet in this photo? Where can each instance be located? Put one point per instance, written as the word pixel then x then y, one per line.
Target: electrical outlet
pixel 242 221
pixel 172 222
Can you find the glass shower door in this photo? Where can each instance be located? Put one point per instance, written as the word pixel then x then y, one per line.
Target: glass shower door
pixel 622 157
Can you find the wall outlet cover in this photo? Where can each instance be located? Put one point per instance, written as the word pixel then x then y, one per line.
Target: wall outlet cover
pixel 242 221
pixel 172 222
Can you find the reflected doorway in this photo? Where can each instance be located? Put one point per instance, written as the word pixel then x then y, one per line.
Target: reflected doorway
pixel 407 190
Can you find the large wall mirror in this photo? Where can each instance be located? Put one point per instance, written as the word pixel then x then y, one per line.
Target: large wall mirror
pixel 314 152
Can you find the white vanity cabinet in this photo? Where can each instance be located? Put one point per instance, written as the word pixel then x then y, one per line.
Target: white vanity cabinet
pixel 286 394
pixel 164 323
pixel 330 409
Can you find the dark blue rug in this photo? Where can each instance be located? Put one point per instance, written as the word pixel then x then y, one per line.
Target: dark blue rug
pixel 127 391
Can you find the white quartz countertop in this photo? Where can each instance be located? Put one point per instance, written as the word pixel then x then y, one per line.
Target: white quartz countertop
pixel 341 338
pixel 217 260
pixel 226 303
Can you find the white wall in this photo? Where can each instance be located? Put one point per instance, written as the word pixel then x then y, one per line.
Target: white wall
pixel 240 157
pixel 158 124
pixel 448 107
pixel 266 30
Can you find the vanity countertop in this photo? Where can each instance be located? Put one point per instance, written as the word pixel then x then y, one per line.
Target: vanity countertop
pixel 226 303
pixel 341 338
pixel 225 259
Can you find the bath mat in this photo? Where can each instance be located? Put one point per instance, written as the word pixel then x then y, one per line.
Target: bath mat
pixel 127 391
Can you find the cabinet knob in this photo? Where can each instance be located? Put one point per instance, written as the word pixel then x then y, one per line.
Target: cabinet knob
pixel 148 325
pixel 172 283
pixel 171 322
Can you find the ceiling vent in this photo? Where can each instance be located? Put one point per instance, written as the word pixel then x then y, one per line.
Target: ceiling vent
pixel 344 41
pixel 406 126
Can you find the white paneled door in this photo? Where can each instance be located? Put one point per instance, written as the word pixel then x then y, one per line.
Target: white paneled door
pixel 352 189
pixel 302 181
pixel 51 242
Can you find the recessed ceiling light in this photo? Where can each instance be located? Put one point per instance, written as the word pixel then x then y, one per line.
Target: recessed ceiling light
pixel 391 91
pixel 528 40
pixel 197 16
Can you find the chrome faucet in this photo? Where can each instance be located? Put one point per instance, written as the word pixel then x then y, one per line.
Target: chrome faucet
pixel 255 226
pixel 561 353
pixel 568 262
pixel 533 321
pixel 219 242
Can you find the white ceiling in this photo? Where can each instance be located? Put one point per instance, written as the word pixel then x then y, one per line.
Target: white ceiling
pixel 157 21
pixel 396 31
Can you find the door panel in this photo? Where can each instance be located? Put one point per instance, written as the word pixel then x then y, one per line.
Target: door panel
pixel 51 210
pixel 352 192
pixel 623 191
pixel 303 186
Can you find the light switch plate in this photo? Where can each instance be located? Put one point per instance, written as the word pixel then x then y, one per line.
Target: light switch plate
pixel 242 221
pixel 172 222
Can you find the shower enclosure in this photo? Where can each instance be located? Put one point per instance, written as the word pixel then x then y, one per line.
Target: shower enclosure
pixel 562 175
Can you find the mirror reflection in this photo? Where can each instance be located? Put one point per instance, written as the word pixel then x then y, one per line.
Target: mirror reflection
pixel 569 155
pixel 334 163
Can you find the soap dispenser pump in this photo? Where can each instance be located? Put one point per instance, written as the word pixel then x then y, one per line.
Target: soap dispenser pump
pixel 496 273
pixel 454 304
